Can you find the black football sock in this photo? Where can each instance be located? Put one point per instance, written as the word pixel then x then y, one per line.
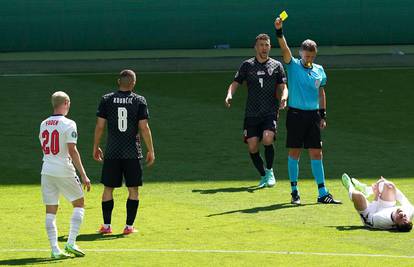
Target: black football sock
pixel 269 155
pixel 132 208
pixel 107 207
pixel 258 163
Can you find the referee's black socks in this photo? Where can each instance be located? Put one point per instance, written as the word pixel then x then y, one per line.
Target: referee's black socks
pixel 107 207
pixel 269 155
pixel 258 163
pixel 132 208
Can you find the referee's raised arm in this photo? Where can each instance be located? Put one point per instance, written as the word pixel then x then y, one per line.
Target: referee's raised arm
pixel 286 53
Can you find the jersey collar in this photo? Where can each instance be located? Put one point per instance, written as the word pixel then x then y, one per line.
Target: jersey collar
pixel 124 92
pixel 308 68
pixel 255 58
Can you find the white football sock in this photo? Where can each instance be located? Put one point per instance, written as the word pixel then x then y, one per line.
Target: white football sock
pixel 51 230
pixel 351 190
pixel 75 222
pixel 350 194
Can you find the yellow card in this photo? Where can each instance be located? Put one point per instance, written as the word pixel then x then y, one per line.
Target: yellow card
pixel 283 15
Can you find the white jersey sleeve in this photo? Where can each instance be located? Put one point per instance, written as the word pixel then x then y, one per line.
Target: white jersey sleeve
pixel 71 133
pixel 382 219
pixel 406 206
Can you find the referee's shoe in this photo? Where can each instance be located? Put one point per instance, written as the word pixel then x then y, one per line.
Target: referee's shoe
pixel 328 199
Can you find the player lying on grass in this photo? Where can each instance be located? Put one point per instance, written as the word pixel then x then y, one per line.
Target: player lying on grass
pixel 58 137
pixel 383 212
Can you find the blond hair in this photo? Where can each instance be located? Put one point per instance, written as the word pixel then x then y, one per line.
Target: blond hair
pixel 59 98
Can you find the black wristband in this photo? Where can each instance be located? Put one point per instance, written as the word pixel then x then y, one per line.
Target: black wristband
pixel 279 33
pixel 322 113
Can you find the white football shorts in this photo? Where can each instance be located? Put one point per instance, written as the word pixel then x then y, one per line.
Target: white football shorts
pixel 52 187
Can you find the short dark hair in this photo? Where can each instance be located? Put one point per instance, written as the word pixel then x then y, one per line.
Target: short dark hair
pixel 405 227
pixel 126 76
pixel 309 45
pixel 262 36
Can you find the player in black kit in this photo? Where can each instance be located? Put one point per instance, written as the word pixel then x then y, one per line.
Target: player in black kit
pixel 126 114
pixel 267 93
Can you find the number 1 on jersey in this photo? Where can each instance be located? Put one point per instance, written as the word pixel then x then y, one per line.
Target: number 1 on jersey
pixel 261 82
pixel 122 119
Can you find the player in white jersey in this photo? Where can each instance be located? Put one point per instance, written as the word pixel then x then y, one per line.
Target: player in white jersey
pixel 382 212
pixel 58 137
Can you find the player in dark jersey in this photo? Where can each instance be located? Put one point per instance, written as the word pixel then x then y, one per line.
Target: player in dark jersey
pixel 267 93
pixel 126 114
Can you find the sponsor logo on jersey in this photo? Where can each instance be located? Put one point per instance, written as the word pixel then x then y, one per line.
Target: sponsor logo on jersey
pixel 260 72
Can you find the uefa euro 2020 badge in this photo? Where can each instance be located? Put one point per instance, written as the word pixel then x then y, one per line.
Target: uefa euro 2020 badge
pixel 74 134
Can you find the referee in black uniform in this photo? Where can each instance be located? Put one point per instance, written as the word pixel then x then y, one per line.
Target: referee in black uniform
pixel 126 113
pixel 266 84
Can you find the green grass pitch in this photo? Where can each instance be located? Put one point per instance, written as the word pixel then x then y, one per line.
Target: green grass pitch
pixel 196 205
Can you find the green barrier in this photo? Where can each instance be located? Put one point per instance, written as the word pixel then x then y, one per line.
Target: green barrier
pixel 47 25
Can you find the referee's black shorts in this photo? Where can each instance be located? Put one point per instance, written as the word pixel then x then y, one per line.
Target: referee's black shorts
pixel 114 170
pixel 303 129
pixel 255 126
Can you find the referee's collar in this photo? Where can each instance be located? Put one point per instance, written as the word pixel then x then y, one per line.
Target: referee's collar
pixel 308 68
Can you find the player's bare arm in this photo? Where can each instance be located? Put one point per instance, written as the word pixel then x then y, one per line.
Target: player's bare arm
pixel 230 92
pixel 322 106
pixel 286 53
pixel 99 129
pixel 76 159
pixel 145 132
pixel 283 95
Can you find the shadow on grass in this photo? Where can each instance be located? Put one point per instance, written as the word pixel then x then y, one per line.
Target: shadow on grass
pixel 92 237
pixel 358 227
pixel 30 261
pixel 264 208
pixel 249 189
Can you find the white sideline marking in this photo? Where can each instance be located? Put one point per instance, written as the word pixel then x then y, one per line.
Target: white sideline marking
pixel 222 251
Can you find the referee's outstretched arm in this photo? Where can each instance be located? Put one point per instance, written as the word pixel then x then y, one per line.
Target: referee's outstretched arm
pixel 286 53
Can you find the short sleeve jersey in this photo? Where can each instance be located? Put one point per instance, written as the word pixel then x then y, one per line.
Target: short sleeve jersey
pixel 262 80
pixel 123 111
pixel 382 217
pixel 304 84
pixel 55 133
